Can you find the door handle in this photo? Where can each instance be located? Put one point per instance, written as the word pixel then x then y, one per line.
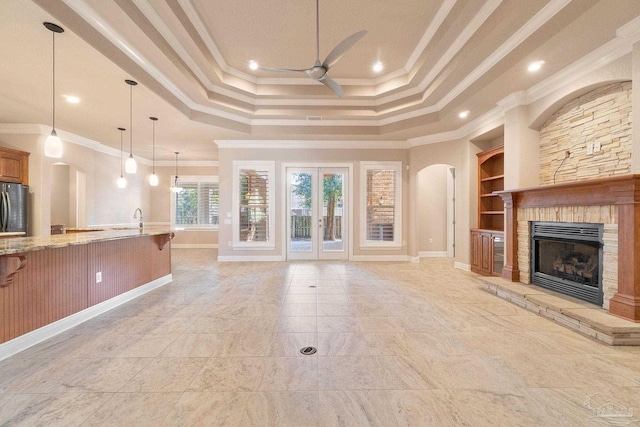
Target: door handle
pixel 5 210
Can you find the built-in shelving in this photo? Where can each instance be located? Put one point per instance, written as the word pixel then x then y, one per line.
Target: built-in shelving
pixel 487 240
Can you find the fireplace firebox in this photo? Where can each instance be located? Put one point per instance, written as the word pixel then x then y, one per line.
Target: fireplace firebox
pixel 567 258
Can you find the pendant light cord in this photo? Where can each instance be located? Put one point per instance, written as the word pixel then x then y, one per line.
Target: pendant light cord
pixel 153 152
pixel 131 120
pixel 53 83
pixel 120 153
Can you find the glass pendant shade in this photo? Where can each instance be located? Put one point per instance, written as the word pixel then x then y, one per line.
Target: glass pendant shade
pixel 53 146
pixel 176 185
pixel 153 179
pixel 122 182
pixel 130 165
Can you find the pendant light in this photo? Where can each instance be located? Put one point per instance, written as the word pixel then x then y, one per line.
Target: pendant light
pixel 176 185
pixel 53 145
pixel 122 182
pixel 130 166
pixel 153 179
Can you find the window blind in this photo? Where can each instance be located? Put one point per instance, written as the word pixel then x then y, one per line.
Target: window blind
pixel 381 209
pixel 197 203
pixel 254 205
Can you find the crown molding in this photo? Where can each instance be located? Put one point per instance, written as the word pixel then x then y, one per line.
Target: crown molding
pixel 432 29
pixel 44 130
pixel 530 27
pixel 490 120
pixel 314 144
pixel 189 163
pixel 516 99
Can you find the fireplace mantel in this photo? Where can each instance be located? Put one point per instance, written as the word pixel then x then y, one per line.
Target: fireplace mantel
pixel 622 191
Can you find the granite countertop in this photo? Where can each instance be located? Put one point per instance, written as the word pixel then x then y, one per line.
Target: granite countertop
pixel 12 234
pixel 18 245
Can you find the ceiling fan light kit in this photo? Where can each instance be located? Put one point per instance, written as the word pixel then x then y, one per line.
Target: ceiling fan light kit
pixel 319 70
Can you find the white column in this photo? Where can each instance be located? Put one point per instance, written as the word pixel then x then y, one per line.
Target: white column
pixel 521 145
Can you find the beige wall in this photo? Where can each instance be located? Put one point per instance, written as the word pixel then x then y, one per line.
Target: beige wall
pixel 60 203
pixel 431 209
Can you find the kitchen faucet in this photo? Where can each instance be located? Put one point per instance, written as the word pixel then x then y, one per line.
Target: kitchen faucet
pixel 135 216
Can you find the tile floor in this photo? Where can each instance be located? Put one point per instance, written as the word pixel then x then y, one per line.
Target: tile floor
pixel 399 344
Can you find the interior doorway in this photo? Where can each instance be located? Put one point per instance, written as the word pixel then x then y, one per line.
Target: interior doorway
pixel 436 206
pixel 68 207
pixel 317 213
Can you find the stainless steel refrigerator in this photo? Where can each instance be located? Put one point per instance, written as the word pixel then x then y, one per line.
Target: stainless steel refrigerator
pixel 13 207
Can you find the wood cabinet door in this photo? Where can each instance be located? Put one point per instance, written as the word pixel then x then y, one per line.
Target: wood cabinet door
pixel 487 257
pixel 11 167
pixel 476 250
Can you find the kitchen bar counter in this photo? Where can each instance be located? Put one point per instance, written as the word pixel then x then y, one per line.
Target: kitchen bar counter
pixel 28 244
pixel 50 283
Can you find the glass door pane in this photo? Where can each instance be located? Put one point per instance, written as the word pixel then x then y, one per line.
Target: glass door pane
pixel 317 221
pixel 302 225
pixel 332 202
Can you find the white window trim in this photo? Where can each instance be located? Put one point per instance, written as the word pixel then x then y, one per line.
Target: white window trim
pixel 396 166
pixel 192 178
pixel 270 167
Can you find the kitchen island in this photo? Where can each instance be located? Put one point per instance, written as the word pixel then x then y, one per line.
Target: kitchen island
pixel 49 284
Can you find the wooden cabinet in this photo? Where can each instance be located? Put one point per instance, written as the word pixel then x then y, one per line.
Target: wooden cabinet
pixel 487 241
pixel 14 166
pixel 487 252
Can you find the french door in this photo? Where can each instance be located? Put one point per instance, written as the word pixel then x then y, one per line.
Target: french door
pixel 317 216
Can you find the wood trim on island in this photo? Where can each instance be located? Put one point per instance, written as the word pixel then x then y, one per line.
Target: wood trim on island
pixel 622 191
pixel 59 281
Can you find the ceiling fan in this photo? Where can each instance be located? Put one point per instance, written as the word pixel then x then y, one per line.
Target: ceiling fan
pixel 319 70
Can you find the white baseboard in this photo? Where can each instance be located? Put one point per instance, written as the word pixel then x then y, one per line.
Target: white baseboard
pixel 432 254
pixel 415 259
pixel 250 258
pixel 32 338
pixel 462 266
pixel 194 246
pixel 400 258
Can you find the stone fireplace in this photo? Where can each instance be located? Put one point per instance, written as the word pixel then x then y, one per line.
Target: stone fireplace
pixel 613 204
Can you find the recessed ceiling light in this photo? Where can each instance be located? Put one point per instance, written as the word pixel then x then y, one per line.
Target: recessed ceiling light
pixel 71 99
pixel 378 66
pixel 535 66
pixel 463 114
pixel 253 65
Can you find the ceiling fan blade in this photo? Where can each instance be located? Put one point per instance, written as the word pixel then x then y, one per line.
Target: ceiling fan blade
pixel 342 48
pixel 333 85
pixel 284 70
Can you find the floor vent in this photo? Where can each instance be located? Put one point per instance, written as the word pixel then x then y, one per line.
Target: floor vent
pixel 307 351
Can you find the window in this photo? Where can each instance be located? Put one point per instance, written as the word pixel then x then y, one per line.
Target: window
pixel 253 204
pixel 381 189
pixel 197 205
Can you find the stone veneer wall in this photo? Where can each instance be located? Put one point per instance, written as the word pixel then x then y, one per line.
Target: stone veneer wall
pixel 607 215
pixel 602 115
